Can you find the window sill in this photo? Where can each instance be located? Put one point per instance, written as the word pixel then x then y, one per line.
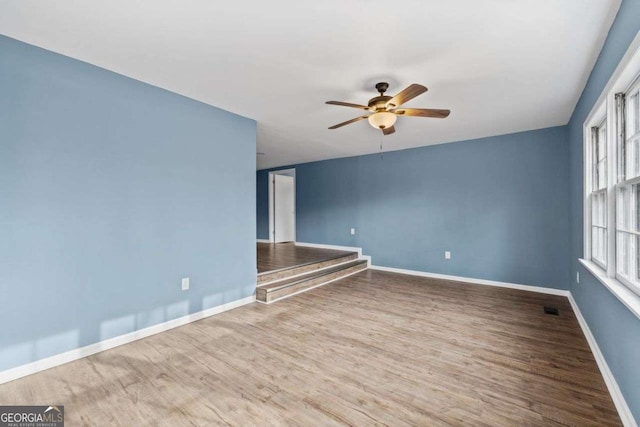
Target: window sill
pixel 629 298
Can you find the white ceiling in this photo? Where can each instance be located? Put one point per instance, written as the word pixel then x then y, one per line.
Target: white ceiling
pixel 501 66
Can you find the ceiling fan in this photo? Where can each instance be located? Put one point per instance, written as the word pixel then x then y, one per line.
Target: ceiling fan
pixel 385 108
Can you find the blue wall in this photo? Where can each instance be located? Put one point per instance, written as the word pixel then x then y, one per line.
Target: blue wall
pixel 111 191
pixel 499 204
pixel 616 329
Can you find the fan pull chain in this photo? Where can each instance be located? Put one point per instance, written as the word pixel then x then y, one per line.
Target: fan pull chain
pixel 381 152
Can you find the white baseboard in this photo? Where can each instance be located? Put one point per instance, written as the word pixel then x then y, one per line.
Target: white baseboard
pixel 539 289
pixel 612 385
pixel 263 240
pixel 69 356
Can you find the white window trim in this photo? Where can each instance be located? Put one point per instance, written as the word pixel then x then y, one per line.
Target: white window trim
pixel 620 81
pixel 599 116
pixel 599 123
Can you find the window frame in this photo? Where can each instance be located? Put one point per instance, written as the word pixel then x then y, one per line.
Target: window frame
pixel 625 79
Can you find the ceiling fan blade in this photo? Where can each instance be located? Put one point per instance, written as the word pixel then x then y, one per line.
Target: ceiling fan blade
pixel 422 112
pixel 347 104
pixel 348 122
pixel 389 130
pixel 409 93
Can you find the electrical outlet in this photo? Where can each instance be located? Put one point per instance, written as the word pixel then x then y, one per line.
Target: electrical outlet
pixel 353 231
pixel 577 277
pixel 185 283
pixel 447 255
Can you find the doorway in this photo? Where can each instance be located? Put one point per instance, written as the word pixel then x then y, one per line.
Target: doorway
pixel 282 206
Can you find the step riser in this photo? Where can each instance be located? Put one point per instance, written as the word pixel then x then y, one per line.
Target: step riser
pixel 264 296
pixel 290 272
pixel 286 282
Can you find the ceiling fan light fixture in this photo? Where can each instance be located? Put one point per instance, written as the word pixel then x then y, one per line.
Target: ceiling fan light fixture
pixel 382 120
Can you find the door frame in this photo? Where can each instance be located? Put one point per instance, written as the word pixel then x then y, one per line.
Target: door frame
pixel 272 219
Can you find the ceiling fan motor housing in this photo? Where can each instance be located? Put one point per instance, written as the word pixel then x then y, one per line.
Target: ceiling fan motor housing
pixel 379 103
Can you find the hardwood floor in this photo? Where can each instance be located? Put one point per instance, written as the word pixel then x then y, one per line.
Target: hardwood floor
pixel 283 255
pixel 375 348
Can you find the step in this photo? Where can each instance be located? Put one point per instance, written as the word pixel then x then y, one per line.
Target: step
pixel 283 273
pixel 288 286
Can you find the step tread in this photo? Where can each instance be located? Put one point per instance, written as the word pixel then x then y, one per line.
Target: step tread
pixel 287 282
pixel 306 264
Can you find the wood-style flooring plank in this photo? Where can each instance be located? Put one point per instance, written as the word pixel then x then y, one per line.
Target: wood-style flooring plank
pixel 375 348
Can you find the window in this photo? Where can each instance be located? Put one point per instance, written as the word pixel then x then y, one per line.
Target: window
pixel 627 113
pixel 612 141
